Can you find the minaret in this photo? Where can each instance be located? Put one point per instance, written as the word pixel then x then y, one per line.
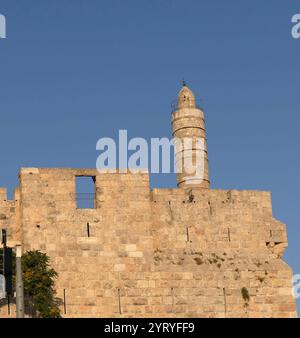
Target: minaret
pixel 188 124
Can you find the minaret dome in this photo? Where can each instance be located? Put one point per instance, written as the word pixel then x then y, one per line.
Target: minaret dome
pixel 186 98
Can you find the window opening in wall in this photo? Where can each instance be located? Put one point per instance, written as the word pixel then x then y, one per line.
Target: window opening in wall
pixel 85 192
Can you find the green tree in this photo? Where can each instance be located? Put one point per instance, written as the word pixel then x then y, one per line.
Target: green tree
pixel 39 279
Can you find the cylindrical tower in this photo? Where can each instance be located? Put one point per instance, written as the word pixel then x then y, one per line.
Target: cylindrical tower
pixel 190 142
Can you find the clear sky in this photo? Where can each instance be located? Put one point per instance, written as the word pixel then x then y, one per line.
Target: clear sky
pixel 74 71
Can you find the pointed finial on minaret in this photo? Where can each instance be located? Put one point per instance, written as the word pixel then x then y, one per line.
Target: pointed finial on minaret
pixel 183 83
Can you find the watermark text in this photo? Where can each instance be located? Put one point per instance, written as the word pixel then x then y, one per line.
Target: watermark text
pixel 296 27
pixel 296 286
pixel 136 155
pixel 2 26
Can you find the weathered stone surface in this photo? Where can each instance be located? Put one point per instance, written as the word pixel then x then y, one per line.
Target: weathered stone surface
pixel 157 253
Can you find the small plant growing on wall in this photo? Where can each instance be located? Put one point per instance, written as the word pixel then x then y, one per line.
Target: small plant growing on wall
pixel 198 260
pixel 246 296
pixel 191 197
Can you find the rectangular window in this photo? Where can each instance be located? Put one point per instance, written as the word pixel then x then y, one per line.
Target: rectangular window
pixel 85 192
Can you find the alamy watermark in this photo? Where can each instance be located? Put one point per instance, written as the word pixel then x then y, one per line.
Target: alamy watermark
pixel 135 154
pixel 2 27
pixel 296 286
pixel 296 27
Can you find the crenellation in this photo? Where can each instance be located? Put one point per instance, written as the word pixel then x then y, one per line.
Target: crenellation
pixel 3 194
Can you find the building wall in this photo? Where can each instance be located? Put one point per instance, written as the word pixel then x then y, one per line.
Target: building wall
pixel 10 214
pixel 159 253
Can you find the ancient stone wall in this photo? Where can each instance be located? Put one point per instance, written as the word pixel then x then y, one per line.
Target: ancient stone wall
pixel 165 252
pixel 10 214
pixel 10 219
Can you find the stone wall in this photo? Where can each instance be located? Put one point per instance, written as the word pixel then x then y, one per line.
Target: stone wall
pixel 10 215
pixel 159 253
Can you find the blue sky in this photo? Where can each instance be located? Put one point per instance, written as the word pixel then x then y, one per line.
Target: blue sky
pixel 74 71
